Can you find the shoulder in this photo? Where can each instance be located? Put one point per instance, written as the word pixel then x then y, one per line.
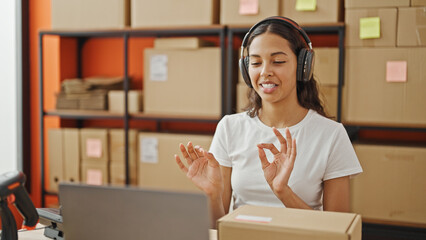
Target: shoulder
pixel 319 123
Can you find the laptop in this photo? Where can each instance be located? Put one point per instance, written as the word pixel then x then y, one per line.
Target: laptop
pixel 113 212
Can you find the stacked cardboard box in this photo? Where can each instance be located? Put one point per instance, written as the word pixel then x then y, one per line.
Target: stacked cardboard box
pixel 116 101
pixel 117 156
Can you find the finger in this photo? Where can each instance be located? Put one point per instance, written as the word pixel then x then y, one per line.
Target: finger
pixel 282 140
pixel 180 164
pixel 289 141
pixel 262 157
pixel 293 152
pixel 198 151
pixel 211 159
pixel 185 154
pixel 191 151
pixel 271 147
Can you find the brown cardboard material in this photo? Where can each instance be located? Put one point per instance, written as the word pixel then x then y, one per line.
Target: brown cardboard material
pixel 147 13
pixel 242 98
pixel 288 223
pixel 376 3
pixel 388 22
pixel 326 69
pixel 94 144
pixel 71 154
pixel 327 11
pixel 370 99
pixel 117 146
pixel 418 3
pixel 101 169
pixel 182 82
pixel 93 14
pixel 411 26
pixel 157 165
pixel 116 101
pixel 392 186
pixel 56 161
pixel 230 14
pixel 181 43
pixel 118 174
pixel 328 94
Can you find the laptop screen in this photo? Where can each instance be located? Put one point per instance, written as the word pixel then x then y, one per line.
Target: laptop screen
pixel 112 212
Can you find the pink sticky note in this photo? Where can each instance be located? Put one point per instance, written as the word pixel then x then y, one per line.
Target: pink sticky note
pixel 94 177
pixel 249 7
pixel 93 148
pixel 396 71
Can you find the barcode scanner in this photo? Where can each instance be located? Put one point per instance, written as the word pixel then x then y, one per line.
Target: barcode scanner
pixel 12 191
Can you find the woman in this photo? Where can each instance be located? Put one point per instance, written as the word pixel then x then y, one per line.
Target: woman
pixel 283 101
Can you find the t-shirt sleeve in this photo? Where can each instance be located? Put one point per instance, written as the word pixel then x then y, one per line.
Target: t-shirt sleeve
pixel 342 160
pixel 219 145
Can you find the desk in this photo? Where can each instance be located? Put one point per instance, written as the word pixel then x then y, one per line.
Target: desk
pixel 38 234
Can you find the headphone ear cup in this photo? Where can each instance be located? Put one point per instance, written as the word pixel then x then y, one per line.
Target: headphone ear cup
pixel 305 65
pixel 300 64
pixel 243 64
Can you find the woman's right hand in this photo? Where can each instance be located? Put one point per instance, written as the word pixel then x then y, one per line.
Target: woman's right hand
pixel 203 169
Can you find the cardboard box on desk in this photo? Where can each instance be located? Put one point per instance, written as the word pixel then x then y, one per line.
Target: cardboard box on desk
pixel 247 12
pixel 371 27
pixel 325 11
pixel 94 144
pixel 166 13
pixel 255 222
pixel 411 26
pixel 392 186
pixel 376 3
pixel 94 14
pixel 157 165
pixel 183 82
pixel 385 86
pixel 116 101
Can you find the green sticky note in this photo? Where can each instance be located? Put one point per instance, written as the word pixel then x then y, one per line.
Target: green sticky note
pixel 306 5
pixel 369 28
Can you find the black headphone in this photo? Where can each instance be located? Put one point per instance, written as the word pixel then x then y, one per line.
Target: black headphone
pixel 305 59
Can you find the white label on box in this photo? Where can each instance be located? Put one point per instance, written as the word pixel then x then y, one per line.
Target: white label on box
pixel 158 67
pixel 149 150
pixel 249 218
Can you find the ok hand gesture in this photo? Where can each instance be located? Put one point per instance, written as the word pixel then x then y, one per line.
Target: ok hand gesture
pixel 278 172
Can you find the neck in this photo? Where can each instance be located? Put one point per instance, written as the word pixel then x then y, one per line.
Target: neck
pixel 281 117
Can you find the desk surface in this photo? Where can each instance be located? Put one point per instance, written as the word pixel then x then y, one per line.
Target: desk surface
pixel 38 234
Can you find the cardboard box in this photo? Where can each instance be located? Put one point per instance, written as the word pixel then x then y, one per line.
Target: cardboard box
pixel 181 43
pixel 183 82
pixel 392 186
pixel 166 13
pixel 94 144
pixel 243 13
pixel 388 20
pixel 157 166
pixel 376 3
pixel 325 11
pixel 411 26
pixel 371 99
pixel 55 159
pixel 326 69
pixel 117 145
pixel 118 174
pixel 116 101
pixel 95 172
pixel 93 14
pixel 418 3
pixel 328 94
pixel 272 223
pixel 242 98
pixel 71 154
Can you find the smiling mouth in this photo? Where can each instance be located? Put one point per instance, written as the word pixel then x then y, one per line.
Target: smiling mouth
pixel 268 85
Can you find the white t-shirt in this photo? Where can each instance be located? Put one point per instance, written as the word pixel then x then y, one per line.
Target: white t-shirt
pixel 324 152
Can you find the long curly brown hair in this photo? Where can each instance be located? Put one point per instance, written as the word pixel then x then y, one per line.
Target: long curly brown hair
pixel 307 92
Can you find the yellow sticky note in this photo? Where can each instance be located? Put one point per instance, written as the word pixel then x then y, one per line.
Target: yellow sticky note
pixel 93 148
pixel 249 7
pixel 369 28
pixel 94 177
pixel 306 5
pixel 396 71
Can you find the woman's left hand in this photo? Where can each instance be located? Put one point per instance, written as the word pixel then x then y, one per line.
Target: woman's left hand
pixel 278 172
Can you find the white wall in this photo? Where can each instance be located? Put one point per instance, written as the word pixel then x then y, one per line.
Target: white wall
pixel 8 90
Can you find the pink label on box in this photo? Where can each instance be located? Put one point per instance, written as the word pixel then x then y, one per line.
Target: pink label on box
pixel 396 71
pixel 249 7
pixel 94 177
pixel 93 148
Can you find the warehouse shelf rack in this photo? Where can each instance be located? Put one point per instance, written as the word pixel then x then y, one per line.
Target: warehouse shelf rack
pixel 125 34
